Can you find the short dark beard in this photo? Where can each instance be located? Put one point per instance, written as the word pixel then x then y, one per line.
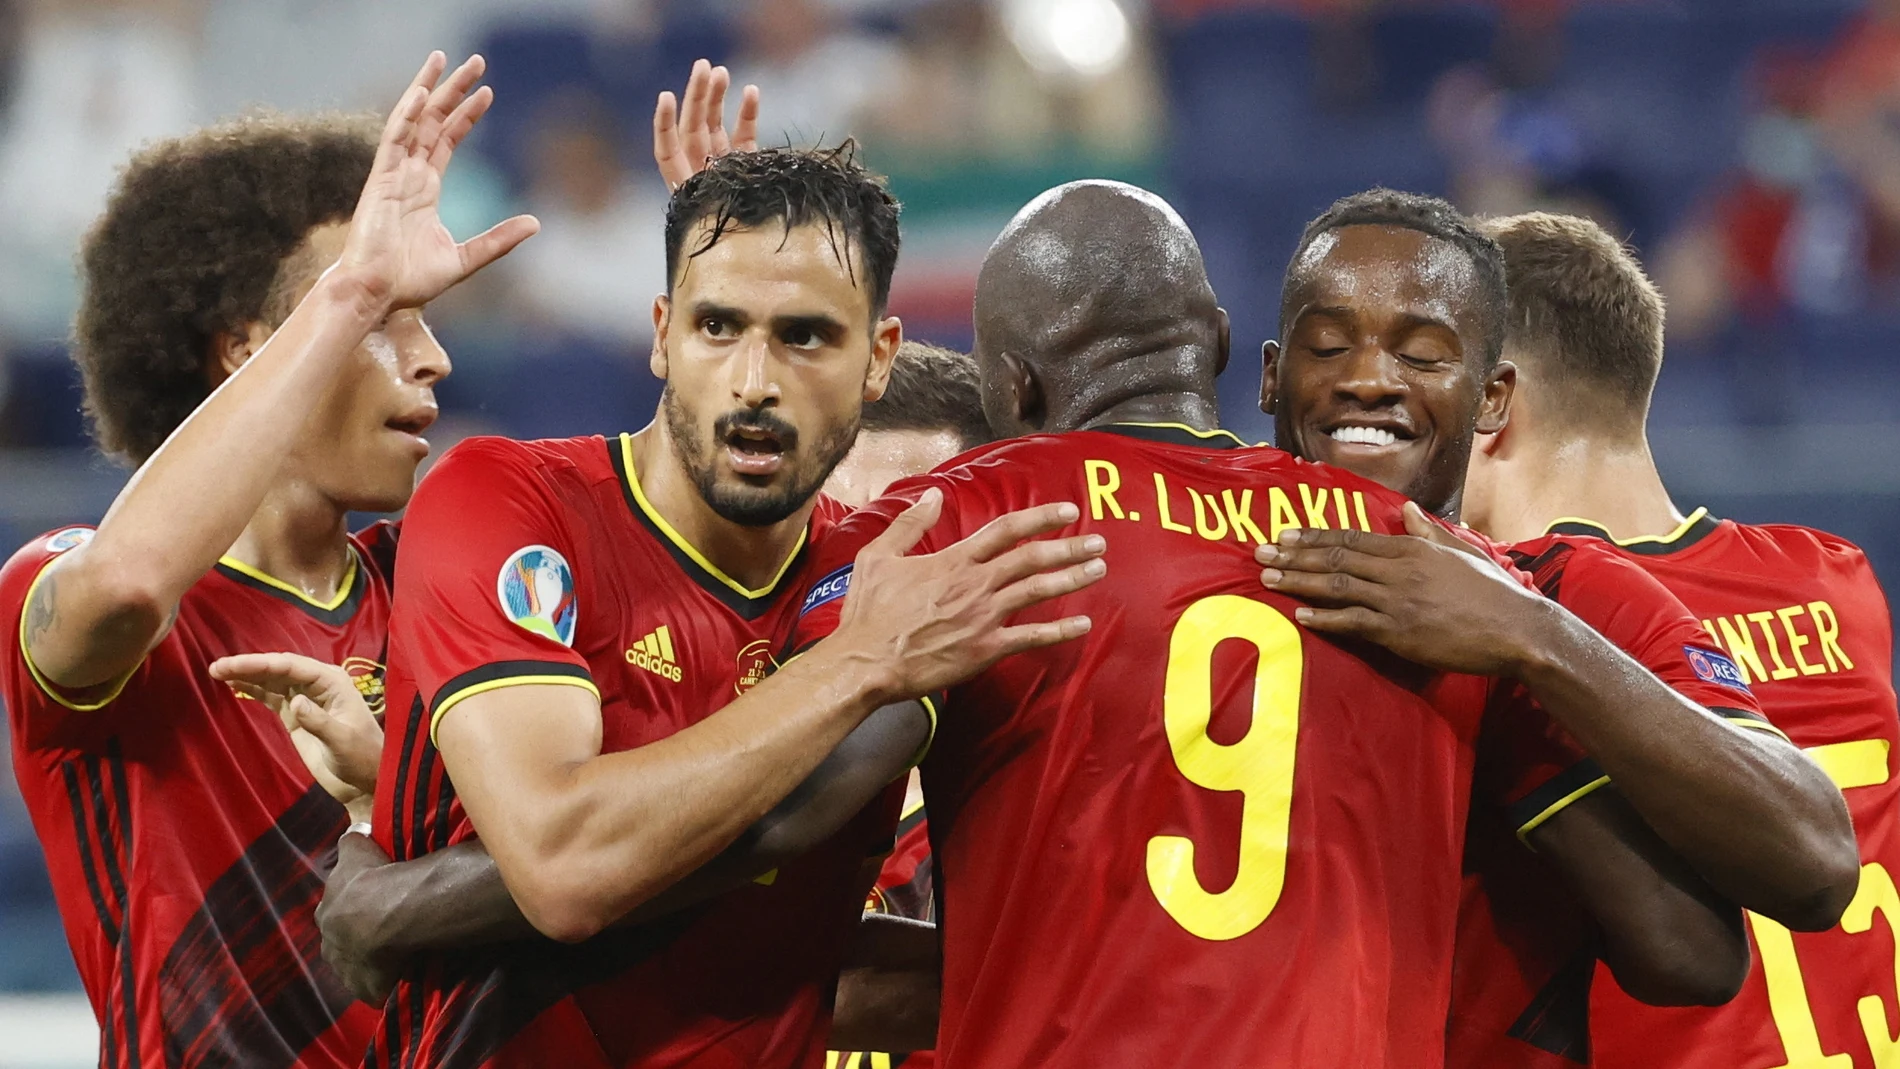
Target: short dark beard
pixel 744 505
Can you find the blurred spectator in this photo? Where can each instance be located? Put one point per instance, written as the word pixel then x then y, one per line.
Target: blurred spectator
pixel 814 68
pixel 97 78
pixel 600 257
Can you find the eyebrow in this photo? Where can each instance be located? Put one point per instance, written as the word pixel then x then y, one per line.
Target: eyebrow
pixel 1408 321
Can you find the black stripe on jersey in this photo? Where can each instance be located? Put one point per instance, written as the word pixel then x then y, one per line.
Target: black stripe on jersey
pixel 493 671
pixel 1546 569
pixel 245 983
pixel 1174 434
pixel 336 617
pixel 82 824
pixel 379 547
pixel 1703 527
pixel 1558 1019
pixel 399 828
pixel 747 608
pixel 122 806
pixel 1559 787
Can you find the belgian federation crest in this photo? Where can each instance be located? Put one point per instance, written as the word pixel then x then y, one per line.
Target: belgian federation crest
pixel 536 590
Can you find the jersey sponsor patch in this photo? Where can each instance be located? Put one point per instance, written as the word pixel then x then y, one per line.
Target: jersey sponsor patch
pixel 70 538
pixel 829 589
pixel 1712 667
pixel 536 590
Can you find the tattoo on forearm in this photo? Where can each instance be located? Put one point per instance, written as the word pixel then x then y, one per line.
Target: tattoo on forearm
pixel 39 608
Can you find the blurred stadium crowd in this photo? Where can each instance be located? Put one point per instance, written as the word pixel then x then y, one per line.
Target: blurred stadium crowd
pixel 1749 149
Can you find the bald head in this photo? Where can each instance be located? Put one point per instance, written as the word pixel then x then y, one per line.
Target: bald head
pixel 1093 296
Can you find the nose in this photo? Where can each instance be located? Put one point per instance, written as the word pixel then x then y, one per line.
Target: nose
pixel 1370 376
pixel 424 361
pixel 756 374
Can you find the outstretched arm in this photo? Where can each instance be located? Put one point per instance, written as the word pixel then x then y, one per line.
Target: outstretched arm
pixel 1750 813
pixel 98 609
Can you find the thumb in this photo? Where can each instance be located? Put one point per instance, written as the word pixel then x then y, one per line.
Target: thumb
pixel 496 242
pixel 328 728
pixel 1418 522
pixel 909 528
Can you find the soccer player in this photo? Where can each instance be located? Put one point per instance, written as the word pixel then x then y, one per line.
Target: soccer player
pixel 1204 813
pixel 1393 317
pixel 251 336
pixel 580 643
pixel 1799 611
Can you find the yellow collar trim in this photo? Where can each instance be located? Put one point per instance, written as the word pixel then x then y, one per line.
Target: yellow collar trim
pixel 1230 435
pixel 678 540
pixel 1681 529
pixel 342 593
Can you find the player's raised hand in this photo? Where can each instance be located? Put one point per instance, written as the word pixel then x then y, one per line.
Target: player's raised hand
pixel 336 734
pixel 1427 596
pixel 936 619
pixel 690 131
pixel 397 248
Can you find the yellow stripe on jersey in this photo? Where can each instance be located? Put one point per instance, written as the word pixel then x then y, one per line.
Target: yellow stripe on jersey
pixel 1759 725
pixel 1862 763
pixel 930 707
pixel 47 686
pixel 342 592
pixel 442 708
pixel 1681 529
pixel 679 540
pixel 1558 806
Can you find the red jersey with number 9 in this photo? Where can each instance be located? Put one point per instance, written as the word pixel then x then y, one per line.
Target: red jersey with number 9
pixel 1801 615
pixel 1202 835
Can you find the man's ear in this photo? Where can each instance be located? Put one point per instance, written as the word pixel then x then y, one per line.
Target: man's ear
pixel 1223 338
pixel 662 316
pixel 230 351
pixel 1269 374
pixel 886 337
pixel 1025 391
pixel 1499 389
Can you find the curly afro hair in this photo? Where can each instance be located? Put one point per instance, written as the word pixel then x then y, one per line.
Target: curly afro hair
pixel 200 239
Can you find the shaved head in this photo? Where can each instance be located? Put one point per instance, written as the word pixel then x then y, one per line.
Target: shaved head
pixel 1094 296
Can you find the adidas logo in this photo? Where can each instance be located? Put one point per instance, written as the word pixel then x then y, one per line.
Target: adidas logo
pixel 655 654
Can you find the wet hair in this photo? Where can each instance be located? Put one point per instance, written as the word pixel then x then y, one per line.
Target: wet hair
pixel 1431 216
pixel 792 187
pixel 1584 314
pixel 202 236
pixel 931 389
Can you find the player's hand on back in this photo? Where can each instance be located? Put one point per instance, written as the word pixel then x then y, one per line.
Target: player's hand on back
pixel 397 249
pixel 1427 596
pixel 691 131
pixel 336 734
pixel 349 924
pixel 933 620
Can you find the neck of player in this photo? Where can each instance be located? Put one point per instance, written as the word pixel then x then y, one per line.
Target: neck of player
pixel 752 556
pixel 299 537
pixel 1186 408
pixel 1521 488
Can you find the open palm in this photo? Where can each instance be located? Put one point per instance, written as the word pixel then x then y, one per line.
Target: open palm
pixel 397 246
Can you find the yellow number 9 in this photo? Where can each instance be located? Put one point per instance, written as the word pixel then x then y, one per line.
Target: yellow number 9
pixel 1259 765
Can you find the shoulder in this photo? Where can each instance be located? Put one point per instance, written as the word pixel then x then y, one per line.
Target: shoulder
pixel 24 567
pixel 1799 543
pixel 1569 567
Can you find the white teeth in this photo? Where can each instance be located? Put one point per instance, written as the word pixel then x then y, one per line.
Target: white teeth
pixel 1364 435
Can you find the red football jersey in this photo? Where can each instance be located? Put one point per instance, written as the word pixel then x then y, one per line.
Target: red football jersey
pixel 543 563
pixel 1801 614
pixel 187 842
pixel 1202 835
pixel 1526 948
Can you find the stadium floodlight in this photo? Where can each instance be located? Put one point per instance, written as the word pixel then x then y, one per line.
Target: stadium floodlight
pixel 1070 38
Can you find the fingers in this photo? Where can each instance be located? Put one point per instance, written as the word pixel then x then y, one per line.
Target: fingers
pixel 1024 637
pixel 1353 620
pixel 400 129
pixel 666 142
pixel 1333 588
pixel 1328 560
pixel 745 136
pixel 693 113
pixel 907 529
pixel 496 242
pixel 718 144
pixel 1321 538
pixel 444 101
pixel 459 123
pixel 1003 533
pixel 1042 556
pixel 1047 586
pixel 278 670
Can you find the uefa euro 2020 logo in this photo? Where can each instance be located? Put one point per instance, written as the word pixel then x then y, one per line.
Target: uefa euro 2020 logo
pixel 536 588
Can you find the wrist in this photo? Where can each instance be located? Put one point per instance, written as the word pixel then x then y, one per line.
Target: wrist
pixel 362 296
pixel 864 678
pixel 361 809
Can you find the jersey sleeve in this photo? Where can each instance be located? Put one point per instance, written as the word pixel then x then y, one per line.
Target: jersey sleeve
pixel 39 702
pixel 486 595
pixel 1538 769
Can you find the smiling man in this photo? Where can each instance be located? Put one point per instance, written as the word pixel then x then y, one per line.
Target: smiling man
pixel 1393 319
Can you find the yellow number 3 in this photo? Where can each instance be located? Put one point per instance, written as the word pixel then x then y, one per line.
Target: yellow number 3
pixel 1259 765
